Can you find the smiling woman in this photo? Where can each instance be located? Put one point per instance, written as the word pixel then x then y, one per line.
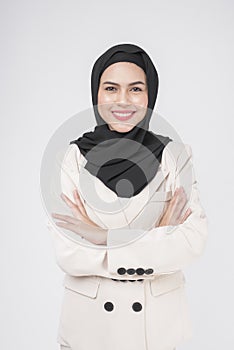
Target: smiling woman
pixel 134 199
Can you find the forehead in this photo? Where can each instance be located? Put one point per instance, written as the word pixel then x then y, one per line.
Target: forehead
pixel 126 70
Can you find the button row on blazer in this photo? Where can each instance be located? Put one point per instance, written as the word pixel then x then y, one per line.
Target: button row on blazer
pixel 131 271
pixel 140 280
pixel 109 306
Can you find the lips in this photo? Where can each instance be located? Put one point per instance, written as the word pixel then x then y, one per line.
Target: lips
pixel 123 114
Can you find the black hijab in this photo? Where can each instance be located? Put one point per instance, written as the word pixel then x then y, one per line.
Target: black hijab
pixel 124 161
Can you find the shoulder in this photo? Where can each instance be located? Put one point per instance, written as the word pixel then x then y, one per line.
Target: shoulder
pixel 175 148
pixel 72 157
pixel 175 152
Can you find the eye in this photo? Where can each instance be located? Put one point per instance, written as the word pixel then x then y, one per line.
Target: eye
pixel 139 89
pixel 109 88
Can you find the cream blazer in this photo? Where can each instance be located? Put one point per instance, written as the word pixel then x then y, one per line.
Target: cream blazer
pixel 148 259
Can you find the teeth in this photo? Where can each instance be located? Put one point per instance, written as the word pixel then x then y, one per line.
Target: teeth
pixel 122 114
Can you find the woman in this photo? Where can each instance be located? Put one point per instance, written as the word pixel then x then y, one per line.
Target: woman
pixel 141 222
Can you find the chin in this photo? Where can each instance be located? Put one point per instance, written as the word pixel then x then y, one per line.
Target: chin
pixel 121 127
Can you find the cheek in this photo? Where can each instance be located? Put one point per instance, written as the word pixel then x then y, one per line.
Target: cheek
pixel 103 97
pixel 103 104
pixel 141 100
pixel 146 100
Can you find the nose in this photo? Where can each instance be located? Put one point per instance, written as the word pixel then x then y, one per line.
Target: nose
pixel 123 97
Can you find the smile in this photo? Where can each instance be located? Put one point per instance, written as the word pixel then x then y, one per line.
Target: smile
pixel 123 115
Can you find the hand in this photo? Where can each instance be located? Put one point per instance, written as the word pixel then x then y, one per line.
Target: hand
pixel 172 215
pixel 78 209
pixel 80 223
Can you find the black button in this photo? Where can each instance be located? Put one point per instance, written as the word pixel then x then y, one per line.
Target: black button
pixel 131 271
pixel 137 306
pixel 132 280
pixel 121 271
pixel 114 279
pixel 108 306
pixel 140 280
pixel 140 271
pixel 123 280
pixel 149 271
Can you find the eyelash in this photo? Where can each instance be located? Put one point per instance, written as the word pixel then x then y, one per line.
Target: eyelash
pixel 112 87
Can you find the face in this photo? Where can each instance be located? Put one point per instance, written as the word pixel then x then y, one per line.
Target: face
pixel 122 96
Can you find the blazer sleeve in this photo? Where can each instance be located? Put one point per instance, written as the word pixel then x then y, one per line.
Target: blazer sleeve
pixel 74 258
pixel 166 249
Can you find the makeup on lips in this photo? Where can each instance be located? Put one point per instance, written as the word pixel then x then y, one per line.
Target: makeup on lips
pixel 123 114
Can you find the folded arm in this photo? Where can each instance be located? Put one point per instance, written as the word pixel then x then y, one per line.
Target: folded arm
pixel 159 250
pixel 167 248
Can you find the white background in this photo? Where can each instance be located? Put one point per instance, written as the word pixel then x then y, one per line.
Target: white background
pixel 47 51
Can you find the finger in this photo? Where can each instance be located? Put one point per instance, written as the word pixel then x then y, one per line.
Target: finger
pixel 75 209
pixel 186 215
pixel 67 200
pixel 179 203
pixel 69 227
pixel 67 218
pixel 175 207
pixel 176 199
pixel 176 196
pixel 178 190
pixel 79 203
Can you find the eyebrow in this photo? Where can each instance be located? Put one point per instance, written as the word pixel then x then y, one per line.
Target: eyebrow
pixel 134 83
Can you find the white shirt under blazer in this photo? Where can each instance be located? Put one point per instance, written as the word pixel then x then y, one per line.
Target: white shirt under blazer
pixel 149 309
